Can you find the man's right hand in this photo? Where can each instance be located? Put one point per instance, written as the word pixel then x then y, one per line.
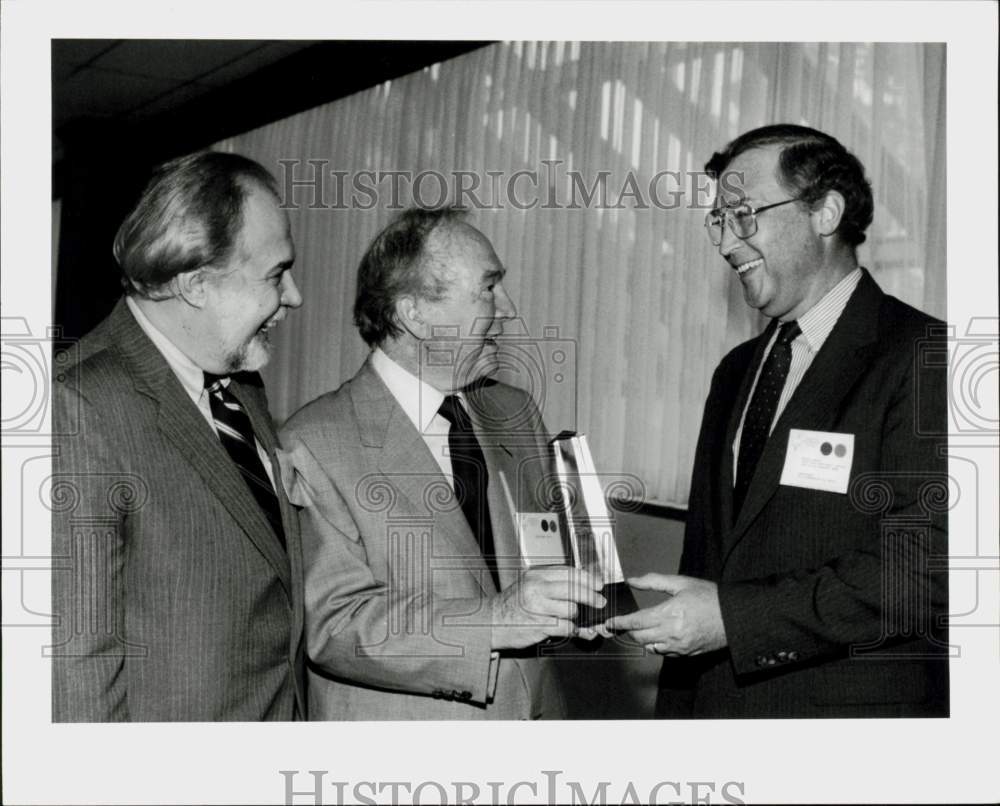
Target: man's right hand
pixel 542 604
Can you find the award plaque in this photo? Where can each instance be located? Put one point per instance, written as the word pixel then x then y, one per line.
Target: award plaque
pixel 589 527
pixel 580 533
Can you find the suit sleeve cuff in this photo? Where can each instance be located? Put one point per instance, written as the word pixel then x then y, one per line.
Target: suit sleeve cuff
pixel 750 612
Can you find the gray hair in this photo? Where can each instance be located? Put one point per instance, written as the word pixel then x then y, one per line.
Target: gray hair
pixel 189 216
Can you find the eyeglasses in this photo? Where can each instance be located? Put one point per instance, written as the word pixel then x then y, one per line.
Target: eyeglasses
pixel 742 220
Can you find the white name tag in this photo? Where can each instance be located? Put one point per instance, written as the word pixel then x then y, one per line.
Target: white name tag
pixel 818 460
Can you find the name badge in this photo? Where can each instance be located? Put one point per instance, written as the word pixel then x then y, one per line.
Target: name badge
pixel 818 460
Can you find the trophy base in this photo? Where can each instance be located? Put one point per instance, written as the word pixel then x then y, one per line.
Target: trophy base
pixel 620 601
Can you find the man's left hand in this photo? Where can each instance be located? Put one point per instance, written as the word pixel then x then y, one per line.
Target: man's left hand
pixel 688 623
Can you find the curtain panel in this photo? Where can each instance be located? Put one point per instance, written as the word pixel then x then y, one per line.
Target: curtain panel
pixel 582 162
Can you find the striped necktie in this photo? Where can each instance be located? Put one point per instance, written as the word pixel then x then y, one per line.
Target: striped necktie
pixel 237 437
pixel 760 412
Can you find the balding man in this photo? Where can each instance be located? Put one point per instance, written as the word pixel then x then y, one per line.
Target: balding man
pixel 417 606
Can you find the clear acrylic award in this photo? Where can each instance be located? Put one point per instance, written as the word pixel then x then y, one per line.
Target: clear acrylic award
pixel 589 527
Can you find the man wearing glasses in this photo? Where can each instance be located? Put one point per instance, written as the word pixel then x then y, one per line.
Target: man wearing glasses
pixel 813 581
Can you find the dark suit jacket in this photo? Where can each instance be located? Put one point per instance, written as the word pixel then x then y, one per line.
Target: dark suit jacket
pixel 397 621
pixel 829 601
pixel 173 597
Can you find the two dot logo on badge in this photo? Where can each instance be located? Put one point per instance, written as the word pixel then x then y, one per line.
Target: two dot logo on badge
pixel 840 451
pixel 549 526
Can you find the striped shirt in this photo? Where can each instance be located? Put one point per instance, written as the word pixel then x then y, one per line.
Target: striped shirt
pixel 816 324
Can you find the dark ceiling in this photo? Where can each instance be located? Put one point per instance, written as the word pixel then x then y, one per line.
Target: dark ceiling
pixel 131 80
pixel 174 95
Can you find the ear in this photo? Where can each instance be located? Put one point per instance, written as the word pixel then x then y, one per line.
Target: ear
pixel 828 212
pixel 192 286
pixel 409 316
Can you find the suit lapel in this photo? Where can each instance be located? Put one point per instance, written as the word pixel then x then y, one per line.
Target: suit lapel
pixel 255 404
pixel 179 420
pixel 254 400
pixel 483 410
pixel 405 459
pixel 735 415
pixel 814 406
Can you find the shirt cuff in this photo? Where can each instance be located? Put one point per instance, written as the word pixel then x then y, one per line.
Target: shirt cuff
pixel 492 674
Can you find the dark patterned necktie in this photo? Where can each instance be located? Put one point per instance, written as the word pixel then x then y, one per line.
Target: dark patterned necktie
pixel 237 437
pixel 760 412
pixel 468 467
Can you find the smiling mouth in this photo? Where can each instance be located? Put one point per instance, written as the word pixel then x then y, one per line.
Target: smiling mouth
pixel 264 331
pixel 743 268
pixel 271 323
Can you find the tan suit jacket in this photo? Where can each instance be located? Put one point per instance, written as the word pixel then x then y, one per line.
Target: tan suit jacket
pixel 396 587
pixel 173 597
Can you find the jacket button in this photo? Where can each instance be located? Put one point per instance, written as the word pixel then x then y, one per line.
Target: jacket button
pixel 437 694
pixel 782 656
pixel 793 655
pixel 466 695
pixel 761 660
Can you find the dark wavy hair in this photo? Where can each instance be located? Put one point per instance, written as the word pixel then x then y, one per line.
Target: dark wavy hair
pixel 395 265
pixel 811 163
pixel 189 216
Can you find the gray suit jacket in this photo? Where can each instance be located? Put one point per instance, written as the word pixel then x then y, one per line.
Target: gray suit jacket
pixel 396 587
pixel 173 597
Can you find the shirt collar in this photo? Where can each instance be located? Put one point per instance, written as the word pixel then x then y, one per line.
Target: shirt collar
pixel 188 373
pixel 818 321
pixel 418 399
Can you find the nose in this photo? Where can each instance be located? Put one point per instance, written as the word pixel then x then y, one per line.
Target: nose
pixel 505 308
pixel 290 296
pixel 729 241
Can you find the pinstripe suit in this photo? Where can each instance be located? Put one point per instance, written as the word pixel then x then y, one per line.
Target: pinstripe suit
pixel 173 597
pixel 830 601
pixel 396 584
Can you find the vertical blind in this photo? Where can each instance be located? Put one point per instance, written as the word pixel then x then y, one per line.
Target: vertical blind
pixel 624 307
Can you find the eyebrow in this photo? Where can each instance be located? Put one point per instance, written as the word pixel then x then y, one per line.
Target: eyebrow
pixel 739 197
pixel 284 266
pixel 738 202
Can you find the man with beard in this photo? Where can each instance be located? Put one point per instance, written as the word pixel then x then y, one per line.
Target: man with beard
pixel 177 588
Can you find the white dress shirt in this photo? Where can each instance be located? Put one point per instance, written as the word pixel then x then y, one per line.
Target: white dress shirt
pixel 421 402
pixel 816 324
